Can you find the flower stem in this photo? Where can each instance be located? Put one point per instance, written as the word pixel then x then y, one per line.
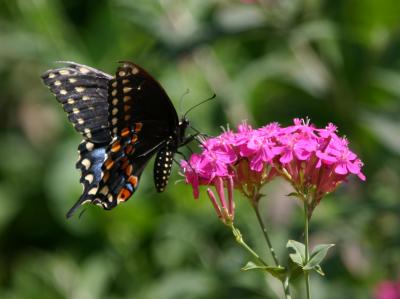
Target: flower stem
pixel 306 273
pixel 239 239
pixel 265 233
pixel 285 282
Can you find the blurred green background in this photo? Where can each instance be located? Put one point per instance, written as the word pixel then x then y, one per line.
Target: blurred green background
pixel 267 60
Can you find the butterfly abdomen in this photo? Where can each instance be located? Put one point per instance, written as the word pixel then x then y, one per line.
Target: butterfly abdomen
pixel 162 168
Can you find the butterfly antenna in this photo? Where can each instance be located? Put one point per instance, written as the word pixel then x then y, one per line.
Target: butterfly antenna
pixel 181 99
pixel 197 105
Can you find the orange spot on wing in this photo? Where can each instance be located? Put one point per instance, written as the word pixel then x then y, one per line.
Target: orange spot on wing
pixel 133 180
pixel 125 132
pixel 138 127
pixel 106 176
pixel 116 146
pixel 128 169
pixel 124 194
pixel 125 162
pixel 134 138
pixel 109 163
pixel 129 149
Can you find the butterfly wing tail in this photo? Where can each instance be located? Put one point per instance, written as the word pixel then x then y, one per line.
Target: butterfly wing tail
pixel 91 159
pixel 76 206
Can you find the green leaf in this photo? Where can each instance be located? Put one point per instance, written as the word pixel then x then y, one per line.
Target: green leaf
pixel 252 266
pixel 277 272
pixel 299 255
pixel 317 255
pixel 318 269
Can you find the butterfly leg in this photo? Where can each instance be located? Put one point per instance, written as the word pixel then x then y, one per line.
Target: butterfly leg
pixel 199 133
pixel 176 162
pixel 189 148
pixel 182 154
pixel 152 150
pixel 189 139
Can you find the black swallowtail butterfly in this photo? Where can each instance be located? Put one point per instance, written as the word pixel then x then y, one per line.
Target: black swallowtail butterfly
pixel 124 120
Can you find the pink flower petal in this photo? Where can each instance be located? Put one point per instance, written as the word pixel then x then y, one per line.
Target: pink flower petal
pixel 286 157
pixel 341 169
pixel 353 167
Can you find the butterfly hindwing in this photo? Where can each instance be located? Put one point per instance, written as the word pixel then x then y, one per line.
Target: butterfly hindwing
pixel 122 169
pixel 83 93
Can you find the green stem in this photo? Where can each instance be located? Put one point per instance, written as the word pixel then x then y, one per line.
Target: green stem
pixel 306 273
pixel 265 233
pixel 239 239
pixel 285 283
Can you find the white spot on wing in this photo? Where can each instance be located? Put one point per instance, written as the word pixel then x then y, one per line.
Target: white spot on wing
pixel 64 72
pixel 127 89
pixel 89 178
pixel 86 163
pixel 104 190
pixel 84 70
pixel 92 191
pixel 89 146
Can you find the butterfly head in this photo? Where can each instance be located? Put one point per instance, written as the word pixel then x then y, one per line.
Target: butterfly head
pixel 182 126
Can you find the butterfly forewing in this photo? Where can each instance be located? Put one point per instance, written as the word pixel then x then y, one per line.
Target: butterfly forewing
pixel 83 93
pixel 135 96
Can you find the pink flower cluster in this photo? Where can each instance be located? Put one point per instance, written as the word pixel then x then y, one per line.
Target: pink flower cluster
pixel 314 160
pixel 388 290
